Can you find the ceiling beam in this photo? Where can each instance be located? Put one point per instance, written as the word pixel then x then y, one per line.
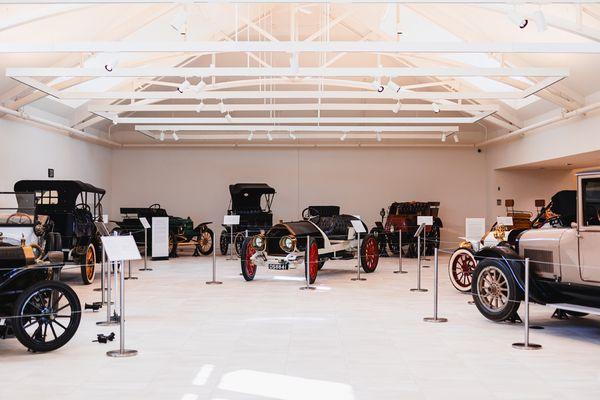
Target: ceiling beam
pixel 231 46
pixel 260 71
pixel 298 128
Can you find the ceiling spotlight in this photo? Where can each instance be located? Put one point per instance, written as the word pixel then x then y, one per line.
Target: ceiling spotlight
pixel 455 136
pixel 175 137
pixel 222 107
pixel 111 64
pixel 540 20
pixel 179 22
pixel 185 85
pixel 378 136
pixel 294 63
pixel 228 117
pixel 435 107
pixel 517 19
pixel 376 84
pixel 444 135
pixel 200 106
pixel 396 107
pixel 199 87
pixel 344 136
pixel 269 136
pixel 251 136
pixel 393 86
pixel 162 136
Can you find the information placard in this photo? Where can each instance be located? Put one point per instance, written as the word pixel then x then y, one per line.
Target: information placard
pixel 120 248
pixel 358 226
pixel 231 220
pixel 424 219
pixel 474 228
pixel 506 221
pixel 160 237
pixel 145 223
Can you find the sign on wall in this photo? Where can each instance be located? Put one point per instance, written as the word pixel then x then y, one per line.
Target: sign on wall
pixel 160 237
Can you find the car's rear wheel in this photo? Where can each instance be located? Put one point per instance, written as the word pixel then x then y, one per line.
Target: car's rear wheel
pixel 88 267
pixel 311 261
pixel 47 316
pixel 248 265
pixel 460 269
pixel 224 242
pixel 238 241
pixel 495 290
pixel 205 242
pixel 369 253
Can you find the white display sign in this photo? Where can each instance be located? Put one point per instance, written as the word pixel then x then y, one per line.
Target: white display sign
pixel 120 248
pixel 231 220
pixel 506 221
pixel 358 226
pixel 424 219
pixel 145 223
pixel 160 237
pixel 474 228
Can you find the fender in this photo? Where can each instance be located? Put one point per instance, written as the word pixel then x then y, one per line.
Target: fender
pixel 516 266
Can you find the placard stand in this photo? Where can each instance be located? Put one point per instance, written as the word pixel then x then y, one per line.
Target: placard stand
pixel 428 221
pixel 525 345
pixel 435 317
pixel 129 268
pixel 417 234
pixel 231 221
pixel 146 225
pixel 214 280
pixel 359 228
pixel 400 271
pixel 120 249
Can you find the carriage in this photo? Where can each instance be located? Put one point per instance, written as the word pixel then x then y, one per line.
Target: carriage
pixel 72 207
pixel 252 202
pixel 322 235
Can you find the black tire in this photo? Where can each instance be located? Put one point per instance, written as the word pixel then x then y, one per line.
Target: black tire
pixel 369 253
pixel 495 291
pixel 30 302
pixel 238 241
pixel 172 246
pixel 203 246
pixel 248 267
pixel 312 269
pixel 224 242
pixel 88 265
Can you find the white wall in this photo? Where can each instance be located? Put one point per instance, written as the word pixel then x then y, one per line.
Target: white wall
pixel 28 150
pixel 194 182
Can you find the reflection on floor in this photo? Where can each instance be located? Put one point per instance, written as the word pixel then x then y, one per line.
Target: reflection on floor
pixel 268 340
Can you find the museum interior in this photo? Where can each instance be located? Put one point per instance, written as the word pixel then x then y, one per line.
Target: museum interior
pixel 299 200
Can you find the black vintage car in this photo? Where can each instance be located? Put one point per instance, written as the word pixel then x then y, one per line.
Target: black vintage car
pixel 181 230
pixel 40 311
pixel 252 202
pixel 72 207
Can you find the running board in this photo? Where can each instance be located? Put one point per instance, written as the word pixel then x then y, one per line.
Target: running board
pixel 575 307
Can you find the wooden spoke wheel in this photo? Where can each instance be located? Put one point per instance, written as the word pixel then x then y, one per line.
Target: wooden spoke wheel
pixel 460 269
pixel 205 242
pixel 88 267
pixel 311 261
pixel 369 253
pixel 495 290
pixel 248 266
pixel 224 242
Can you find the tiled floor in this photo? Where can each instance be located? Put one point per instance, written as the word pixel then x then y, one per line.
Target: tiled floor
pixel 268 340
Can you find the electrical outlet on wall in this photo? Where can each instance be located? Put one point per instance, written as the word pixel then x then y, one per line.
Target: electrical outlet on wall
pixel 50 172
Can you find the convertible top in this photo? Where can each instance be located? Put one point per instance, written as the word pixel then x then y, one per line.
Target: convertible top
pixel 564 203
pixel 246 197
pixel 254 188
pixel 60 185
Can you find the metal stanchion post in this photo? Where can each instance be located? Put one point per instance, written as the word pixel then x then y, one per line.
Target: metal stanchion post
pixel 122 352
pixel 129 271
pixel 145 251
pixel 109 318
pixel 435 290
pixel 307 267
pixel 358 278
pixel 214 270
pixel 400 271
pixel 418 288
pixel 525 345
pixel 424 247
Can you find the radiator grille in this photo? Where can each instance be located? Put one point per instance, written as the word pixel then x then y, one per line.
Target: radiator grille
pixel 540 261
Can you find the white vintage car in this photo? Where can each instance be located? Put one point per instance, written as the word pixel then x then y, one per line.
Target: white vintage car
pixel 19 224
pixel 564 263
pixel 323 234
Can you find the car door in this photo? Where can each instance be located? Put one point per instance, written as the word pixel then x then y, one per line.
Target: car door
pixel 589 227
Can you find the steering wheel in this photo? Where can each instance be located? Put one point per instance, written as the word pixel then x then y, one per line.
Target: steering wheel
pixel 312 215
pixel 83 206
pixel 155 206
pixel 19 215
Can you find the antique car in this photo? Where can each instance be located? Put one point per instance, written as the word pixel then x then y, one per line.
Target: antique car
pixel 35 307
pixel 252 202
pixel 564 263
pixel 403 217
pixel 72 207
pixel 20 224
pixel 182 232
pixel 322 235
pixel 559 212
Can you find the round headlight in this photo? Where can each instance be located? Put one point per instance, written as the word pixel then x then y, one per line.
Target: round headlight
pixel 287 243
pixel 258 242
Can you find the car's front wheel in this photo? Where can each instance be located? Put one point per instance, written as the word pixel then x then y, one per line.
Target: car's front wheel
pixel 460 269
pixel 248 265
pixel 495 290
pixel 369 254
